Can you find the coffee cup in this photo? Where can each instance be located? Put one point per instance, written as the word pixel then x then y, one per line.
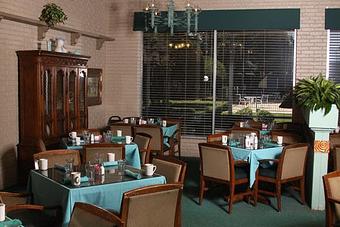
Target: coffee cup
pixel 110 157
pixel 119 133
pixel 164 123
pixel 149 169
pixel 73 135
pixel 43 164
pixel 224 139
pixel 241 124
pixel 279 140
pixel 126 121
pixel 128 139
pixel 75 178
pixel 2 212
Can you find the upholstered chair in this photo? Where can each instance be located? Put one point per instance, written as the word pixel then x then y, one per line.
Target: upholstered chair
pixel 331 183
pixel 59 156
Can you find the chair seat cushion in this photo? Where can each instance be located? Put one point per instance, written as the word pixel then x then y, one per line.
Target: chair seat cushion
pixel 241 172
pixel 268 172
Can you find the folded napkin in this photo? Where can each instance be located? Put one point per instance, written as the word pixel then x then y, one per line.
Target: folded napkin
pixel 133 174
pixel 11 222
pixel 60 167
pixel 112 163
pixel 118 138
pixel 84 179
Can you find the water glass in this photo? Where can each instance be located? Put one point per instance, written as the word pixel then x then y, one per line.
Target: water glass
pixel 69 165
pixel 87 136
pixel 108 136
pixel 90 171
pixel 121 167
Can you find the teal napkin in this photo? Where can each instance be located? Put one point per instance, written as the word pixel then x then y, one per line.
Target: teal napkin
pixel 133 174
pixel 118 138
pixel 84 179
pixel 10 222
pixel 108 164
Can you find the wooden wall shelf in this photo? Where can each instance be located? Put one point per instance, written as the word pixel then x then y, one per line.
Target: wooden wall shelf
pixel 42 29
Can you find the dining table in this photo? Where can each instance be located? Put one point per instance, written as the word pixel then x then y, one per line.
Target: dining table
pixel 50 188
pixel 132 156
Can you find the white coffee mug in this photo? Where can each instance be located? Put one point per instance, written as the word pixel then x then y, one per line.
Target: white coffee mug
pixel 279 140
pixel 110 157
pixel 75 178
pixel 43 164
pixel 241 124
pixel 164 123
pixel 224 139
pixel 2 212
pixel 128 139
pixel 149 169
pixel 73 135
pixel 119 133
pixel 126 121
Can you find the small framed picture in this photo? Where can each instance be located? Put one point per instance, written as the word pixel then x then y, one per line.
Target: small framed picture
pixel 94 86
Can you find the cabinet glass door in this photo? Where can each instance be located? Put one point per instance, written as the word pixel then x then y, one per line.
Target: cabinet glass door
pixel 47 97
pixel 72 123
pixel 60 102
pixel 82 98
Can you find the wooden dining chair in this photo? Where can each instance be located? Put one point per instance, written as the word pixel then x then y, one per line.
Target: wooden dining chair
pixel 217 165
pixel 157 145
pixel 290 167
pixel 336 158
pixel 59 156
pixel 93 152
pixel 331 182
pixel 113 119
pixel 84 215
pixel 289 137
pixel 217 137
pixel 334 155
pixel 238 132
pixel 175 140
pixel 14 198
pixel 173 169
pixel 143 142
pixel 127 129
pixel 156 205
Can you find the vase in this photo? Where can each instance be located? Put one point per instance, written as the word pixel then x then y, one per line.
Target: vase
pixel 60 45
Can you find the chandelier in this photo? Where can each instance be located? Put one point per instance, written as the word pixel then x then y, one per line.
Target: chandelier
pixel 154 18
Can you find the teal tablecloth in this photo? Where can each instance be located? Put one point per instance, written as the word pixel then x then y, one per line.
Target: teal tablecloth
pixel 131 152
pixel 167 133
pixel 253 157
pixel 48 192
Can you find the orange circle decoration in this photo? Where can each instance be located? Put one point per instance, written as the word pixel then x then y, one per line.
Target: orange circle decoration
pixel 321 146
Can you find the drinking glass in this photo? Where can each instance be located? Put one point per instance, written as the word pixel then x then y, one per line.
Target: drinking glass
pixel 121 167
pixel 87 136
pixel 69 165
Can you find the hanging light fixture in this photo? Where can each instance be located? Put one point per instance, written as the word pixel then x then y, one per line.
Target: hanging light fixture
pixel 154 19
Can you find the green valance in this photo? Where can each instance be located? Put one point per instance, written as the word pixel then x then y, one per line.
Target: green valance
pixel 249 19
pixel 332 19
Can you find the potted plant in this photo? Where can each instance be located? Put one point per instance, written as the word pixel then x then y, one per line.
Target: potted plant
pixel 321 100
pixel 52 14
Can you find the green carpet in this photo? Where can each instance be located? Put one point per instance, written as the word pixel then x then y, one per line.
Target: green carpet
pixel 213 210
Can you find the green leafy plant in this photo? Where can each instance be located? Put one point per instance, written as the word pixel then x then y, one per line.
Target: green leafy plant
pixel 52 14
pixel 264 115
pixel 245 112
pixel 316 92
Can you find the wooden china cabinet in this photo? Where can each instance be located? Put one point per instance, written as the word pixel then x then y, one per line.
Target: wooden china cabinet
pixel 52 100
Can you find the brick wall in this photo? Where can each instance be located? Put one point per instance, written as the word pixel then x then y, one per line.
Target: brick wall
pixel 121 59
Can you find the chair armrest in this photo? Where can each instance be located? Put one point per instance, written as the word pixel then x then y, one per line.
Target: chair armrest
pixel 333 200
pixel 271 160
pixel 24 207
pixel 117 219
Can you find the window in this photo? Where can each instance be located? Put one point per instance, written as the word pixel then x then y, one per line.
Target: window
pixel 254 72
pixel 334 56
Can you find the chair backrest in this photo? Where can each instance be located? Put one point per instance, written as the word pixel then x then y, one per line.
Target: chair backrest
pixel 13 198
pixel 160 205
pixel 289 137
pixel 155 131
pixel 85 214
pixel 332 190
pixel 216 161
pixel 336 157
pixel 237 132
pixel 127 129
pixel 292 161
pixel 334 140
pixel 217 137
pixel 173 169
pixel 251 123
pixel 113 119
pixel 143 142
pixel 93 152
pixel 59 156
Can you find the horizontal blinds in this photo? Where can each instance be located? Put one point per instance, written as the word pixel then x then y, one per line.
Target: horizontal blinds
pixel 255 74
pixel 334 56
pixel 173 79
